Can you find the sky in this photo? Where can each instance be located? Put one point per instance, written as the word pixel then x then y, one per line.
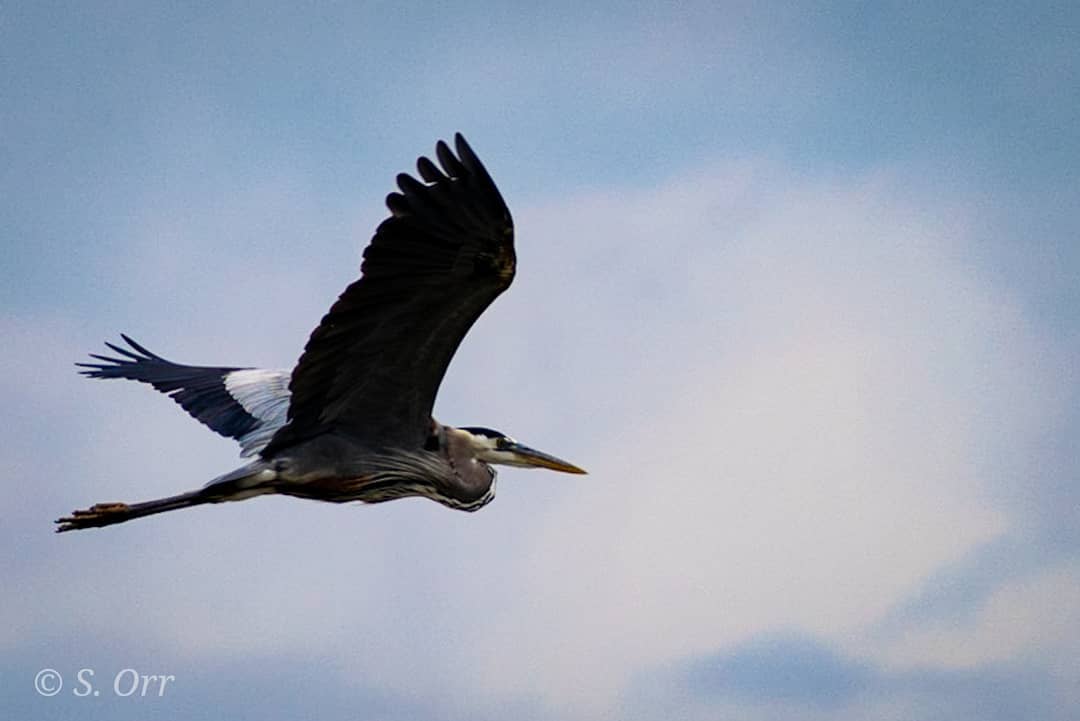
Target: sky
pixel 799 285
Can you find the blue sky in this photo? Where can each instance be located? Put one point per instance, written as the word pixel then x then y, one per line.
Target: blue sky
pixel 798 285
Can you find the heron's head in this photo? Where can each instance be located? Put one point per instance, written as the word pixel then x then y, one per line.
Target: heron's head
pixel 496 447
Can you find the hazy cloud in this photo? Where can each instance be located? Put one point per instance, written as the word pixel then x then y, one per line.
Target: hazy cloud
pixel 797 288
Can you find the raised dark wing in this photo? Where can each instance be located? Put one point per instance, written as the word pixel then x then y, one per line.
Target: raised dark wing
pixel 372 367
pixel 247 404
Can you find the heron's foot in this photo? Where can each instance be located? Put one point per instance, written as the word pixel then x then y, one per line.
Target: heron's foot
pixel 99 514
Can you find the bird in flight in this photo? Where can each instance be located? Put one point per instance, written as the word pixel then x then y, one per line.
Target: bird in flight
pixel 352 421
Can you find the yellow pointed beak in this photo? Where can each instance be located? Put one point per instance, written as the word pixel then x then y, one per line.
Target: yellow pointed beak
pixel 532 458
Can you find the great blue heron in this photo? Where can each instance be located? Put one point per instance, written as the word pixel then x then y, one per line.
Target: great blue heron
pixel 352 421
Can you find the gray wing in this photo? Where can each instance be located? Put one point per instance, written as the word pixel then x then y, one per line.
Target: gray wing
pixel 247 404
pixel 371 369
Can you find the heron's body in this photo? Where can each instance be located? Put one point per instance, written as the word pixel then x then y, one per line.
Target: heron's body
pixel 352 421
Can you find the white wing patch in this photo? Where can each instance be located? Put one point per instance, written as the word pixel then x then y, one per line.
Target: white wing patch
pixel 265 395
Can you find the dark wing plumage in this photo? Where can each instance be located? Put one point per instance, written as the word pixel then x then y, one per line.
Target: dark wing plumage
pixel 246 404
pixel 372 367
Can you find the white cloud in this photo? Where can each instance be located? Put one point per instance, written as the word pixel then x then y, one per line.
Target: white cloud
pixel 784 390
pixel 802 383
pixel 1023 618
